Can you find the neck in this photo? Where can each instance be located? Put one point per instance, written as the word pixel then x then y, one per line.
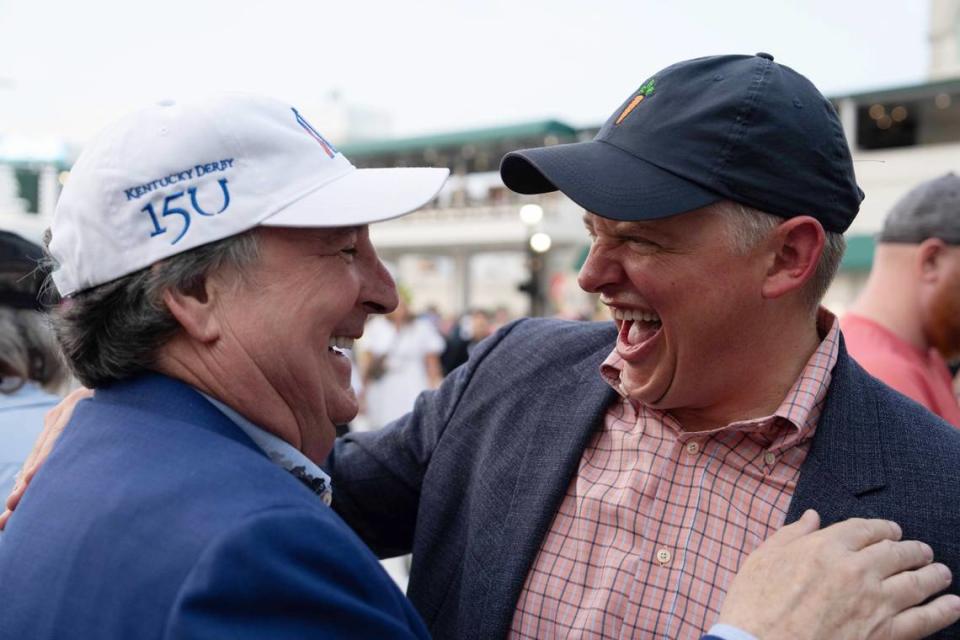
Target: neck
pixel 890 299
pixel 756 389
pixel 245 390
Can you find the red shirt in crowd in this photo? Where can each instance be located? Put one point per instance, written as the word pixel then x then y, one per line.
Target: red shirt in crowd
pixel 920 375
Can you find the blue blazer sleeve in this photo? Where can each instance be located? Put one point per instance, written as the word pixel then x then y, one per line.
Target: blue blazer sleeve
pixel 288 573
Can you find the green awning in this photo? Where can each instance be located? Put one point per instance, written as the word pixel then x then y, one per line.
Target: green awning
pixel 456 139
pixel 859 254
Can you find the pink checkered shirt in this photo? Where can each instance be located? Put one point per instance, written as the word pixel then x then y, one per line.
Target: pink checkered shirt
pixel 657 521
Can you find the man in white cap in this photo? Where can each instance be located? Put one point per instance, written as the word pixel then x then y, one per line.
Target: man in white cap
pixel 216 260
pixel 905 325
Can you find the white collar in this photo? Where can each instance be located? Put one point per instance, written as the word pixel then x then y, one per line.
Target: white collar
pixel 282 453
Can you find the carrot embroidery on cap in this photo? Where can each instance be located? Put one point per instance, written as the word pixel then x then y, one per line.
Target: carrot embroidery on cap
pixel 642 92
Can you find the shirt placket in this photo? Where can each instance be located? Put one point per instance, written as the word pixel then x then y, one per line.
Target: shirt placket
pixel 667 522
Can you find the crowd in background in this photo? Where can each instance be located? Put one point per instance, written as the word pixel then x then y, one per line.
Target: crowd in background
pixel 405 352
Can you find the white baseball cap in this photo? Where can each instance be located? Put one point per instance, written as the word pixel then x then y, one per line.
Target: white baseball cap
pixel 175 176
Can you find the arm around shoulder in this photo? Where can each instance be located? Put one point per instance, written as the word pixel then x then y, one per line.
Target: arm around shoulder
pixel 378 474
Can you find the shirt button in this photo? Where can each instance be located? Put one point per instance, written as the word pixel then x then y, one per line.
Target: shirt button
pixel 693 448
pixel 769 458
pixel 663 556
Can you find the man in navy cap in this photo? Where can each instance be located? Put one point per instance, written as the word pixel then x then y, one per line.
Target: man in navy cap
pixel 607 480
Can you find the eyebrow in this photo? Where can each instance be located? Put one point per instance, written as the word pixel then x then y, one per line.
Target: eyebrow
pixel 625 227
pixel 336 233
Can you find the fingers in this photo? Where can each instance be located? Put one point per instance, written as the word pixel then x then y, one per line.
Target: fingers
pixel 14 498
pixel 887 558
pixel 857 533
pixel 910 588
pixel 54 422
pixel 919 622
pixel 3 519
pixel 808 523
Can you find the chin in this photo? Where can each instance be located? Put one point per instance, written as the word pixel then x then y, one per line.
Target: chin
pixel 642 389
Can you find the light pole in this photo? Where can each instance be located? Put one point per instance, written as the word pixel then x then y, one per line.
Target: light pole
pixel 537 245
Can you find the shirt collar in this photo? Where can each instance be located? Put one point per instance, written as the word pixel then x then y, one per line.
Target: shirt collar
pixel 803 403
pixel 282 453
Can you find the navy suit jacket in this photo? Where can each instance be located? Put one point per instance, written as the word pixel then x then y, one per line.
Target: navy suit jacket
pixel 471 479
pixel 157 517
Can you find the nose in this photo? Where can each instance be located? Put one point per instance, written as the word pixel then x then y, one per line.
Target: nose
pixel 599 270
pixel 379 293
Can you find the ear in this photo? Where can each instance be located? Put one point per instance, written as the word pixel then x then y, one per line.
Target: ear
pixel 796 246
pixel 195 310
pixel 930 259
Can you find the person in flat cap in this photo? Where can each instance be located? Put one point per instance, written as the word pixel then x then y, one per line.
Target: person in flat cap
pixel 905 325
pixel 32 372
pixel 608 480
pixel 542 496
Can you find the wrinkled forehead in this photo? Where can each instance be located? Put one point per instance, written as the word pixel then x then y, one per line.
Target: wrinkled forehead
pixel 669 227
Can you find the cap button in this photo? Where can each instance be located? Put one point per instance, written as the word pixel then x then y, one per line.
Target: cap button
pixel 764 54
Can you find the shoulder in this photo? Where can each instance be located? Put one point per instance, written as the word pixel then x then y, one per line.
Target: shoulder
pixel 919 450
pixel 552 338
pixel 899 416
pixel 541 350
pixel 290 572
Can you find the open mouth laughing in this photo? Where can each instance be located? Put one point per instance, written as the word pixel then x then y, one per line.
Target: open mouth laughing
pixel 639 330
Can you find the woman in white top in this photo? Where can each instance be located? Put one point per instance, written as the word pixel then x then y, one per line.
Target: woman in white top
pixel 401 358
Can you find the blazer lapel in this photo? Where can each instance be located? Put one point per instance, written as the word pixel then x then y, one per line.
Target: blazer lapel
pixel 846 458
pixel 566 418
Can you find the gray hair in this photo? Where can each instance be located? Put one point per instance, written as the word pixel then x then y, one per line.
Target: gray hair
pixel 747 227
pixel 115 330
pixel 28 351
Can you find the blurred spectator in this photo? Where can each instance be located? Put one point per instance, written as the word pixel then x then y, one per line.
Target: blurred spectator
pixel 30 363
pixel 472 327
pixel 501 316
pixel 433 316
pixel 401 358
pixel 482 326
pixel 906 322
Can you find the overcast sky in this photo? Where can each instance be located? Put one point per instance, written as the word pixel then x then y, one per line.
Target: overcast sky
pixel 68 67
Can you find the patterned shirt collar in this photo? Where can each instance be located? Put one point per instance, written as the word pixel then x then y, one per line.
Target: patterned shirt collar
pixel 801 406
pixel 282 453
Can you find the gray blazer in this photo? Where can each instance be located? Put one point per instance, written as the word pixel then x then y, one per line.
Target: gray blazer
pixel 470 480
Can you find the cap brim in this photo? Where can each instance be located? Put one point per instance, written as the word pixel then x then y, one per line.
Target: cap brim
pixel 603 179
pixel 362 196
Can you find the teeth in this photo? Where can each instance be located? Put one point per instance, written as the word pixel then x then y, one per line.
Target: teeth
pixel 643 316
pixel 340 342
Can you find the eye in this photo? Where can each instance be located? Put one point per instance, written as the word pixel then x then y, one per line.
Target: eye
pixel 349 252
pixel 641 244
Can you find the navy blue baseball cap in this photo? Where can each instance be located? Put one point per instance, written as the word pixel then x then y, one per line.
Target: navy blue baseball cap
pixel 741 128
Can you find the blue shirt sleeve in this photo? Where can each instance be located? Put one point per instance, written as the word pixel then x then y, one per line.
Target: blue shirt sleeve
pixel 726 632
